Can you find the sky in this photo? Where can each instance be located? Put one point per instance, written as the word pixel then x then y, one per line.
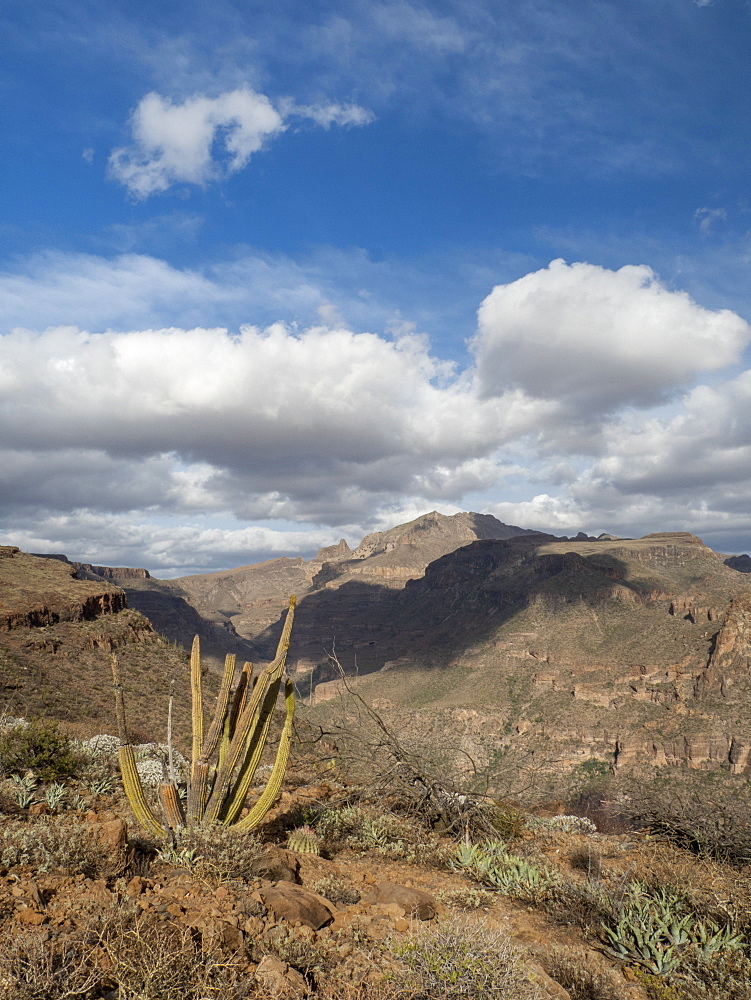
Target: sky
pixel 272 274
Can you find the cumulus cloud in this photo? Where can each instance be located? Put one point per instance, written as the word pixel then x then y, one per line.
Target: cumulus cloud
pixel 204 138
pixel 596 339
pixel 325 426
pixel 166 550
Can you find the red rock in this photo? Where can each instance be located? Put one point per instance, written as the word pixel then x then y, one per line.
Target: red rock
pixel 277 977
pixel 135 886
pixel 292 902
pixel 112 834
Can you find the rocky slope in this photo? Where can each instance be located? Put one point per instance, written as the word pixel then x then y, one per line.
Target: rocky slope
pixel 57 634
pixel 608 650
pixel 501 641
pixel 231 610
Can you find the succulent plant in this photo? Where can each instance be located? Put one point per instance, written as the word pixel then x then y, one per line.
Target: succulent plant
pixel 224 760
pixel 54 793
pixel 491 864
pixel 304 840
pixel 25 786
pixel 657 930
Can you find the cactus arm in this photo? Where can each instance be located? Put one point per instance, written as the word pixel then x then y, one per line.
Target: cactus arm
pixel 239 701
pixel 134 791
pixel 198 792
pixel 281 649
pixel 196 692
pixel 196 787
pixel 127 760
pixel 220 710
pixel 171 805
pixel 262 806
pixel 253 755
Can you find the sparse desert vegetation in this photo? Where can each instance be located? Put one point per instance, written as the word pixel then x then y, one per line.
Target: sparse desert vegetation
pixel 349 890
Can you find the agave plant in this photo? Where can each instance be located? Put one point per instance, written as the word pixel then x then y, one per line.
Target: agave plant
pixel 656 929
pixel 491 864
pixel 224 759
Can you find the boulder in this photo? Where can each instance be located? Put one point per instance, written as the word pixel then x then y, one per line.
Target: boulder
pixel 278 978
pixel 294 903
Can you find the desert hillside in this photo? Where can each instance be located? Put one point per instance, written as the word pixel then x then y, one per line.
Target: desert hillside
pixel 57 637
pixel 606 649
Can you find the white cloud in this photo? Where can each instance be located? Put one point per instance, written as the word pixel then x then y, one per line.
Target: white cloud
pixel 166 550
pixel 327 426
pixel 322 425
pixel 173 142
pixel 204 138
pixel 327 115
pixel 596 340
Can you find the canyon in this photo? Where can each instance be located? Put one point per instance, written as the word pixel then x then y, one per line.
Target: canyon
pixel 483 640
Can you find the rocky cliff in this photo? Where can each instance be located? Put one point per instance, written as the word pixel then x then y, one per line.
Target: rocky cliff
pixel 503 641
pixel 613 650
pixel 57 635
pixel 237 610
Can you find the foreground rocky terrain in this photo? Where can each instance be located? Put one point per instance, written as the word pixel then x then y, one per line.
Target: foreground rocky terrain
pixel 380 903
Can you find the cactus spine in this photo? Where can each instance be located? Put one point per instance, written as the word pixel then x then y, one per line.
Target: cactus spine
pixel 225 759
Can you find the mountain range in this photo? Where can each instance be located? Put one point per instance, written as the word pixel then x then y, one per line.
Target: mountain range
pixel 578 649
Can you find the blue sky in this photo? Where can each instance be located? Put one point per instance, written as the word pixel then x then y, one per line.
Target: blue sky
pixel 271 274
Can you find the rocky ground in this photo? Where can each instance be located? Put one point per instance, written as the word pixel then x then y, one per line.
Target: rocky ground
pixel 89 908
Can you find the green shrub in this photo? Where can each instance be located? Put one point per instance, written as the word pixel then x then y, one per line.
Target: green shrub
pixel 41 748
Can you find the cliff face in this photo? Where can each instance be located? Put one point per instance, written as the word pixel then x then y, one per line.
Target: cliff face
pixel 238 610
pixel 36 592
pixel 57 634
pixel 610 649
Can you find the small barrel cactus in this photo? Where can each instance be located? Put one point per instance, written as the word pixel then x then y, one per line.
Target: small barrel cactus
pixel 304 840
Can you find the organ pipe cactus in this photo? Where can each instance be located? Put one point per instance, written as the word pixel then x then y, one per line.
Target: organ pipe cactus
pixel 224 759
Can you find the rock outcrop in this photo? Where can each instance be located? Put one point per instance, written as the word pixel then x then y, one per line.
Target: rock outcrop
pixel 609 649
pixel 57 634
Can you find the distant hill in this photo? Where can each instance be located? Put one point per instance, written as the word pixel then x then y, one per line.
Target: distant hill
pixel 236 610
pixel 503 639
pixel 742 564
pixel 611 649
